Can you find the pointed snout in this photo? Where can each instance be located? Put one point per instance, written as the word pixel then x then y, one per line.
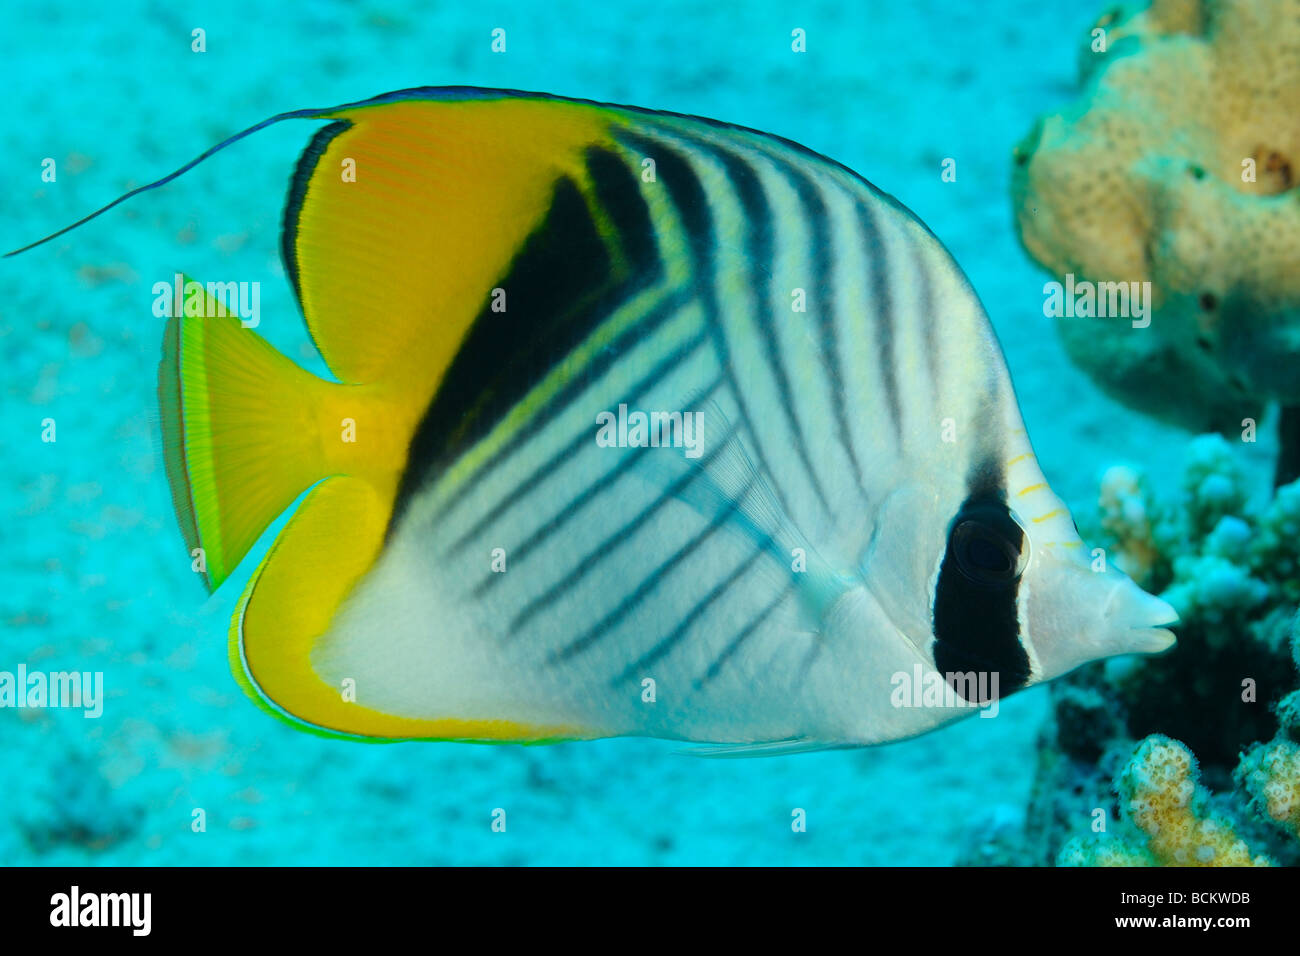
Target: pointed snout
pixel 1077 614
pixel 1142 618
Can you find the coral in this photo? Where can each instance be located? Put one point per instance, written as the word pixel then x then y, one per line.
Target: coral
pixel 1271 775
pixel 1080 749
pixel 1126 517
pixel 1213 485
pixel 1160 796
pixel 1177 167
pixel 1229 567
pixel 1275 548
pixel 1227 560
pixel 1288 715
pixel 1104 853
pixel 1270 772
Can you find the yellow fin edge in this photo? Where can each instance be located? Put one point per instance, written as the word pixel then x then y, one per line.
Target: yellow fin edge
pixel 283 611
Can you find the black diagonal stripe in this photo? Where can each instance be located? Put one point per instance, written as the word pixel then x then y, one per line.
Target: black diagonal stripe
pixel 618 196
pixel 556 404
pixel 651 271
pixel 594 633
pixel 692 202
pixel 588 494
pixel 825 308
pixel 622 536
pixel 562 283
pixel 759 240
pixel 566 514
pixel 553 288
pixel 882 303
pixel 674 637
pixel 734 645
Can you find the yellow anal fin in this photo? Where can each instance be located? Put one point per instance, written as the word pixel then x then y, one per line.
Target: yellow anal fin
pixel 328 544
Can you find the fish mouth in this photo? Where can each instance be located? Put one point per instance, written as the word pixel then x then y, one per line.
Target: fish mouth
pixel 1153 640
pixel 1144 619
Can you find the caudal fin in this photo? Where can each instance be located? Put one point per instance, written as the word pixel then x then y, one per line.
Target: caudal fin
pixel 241 434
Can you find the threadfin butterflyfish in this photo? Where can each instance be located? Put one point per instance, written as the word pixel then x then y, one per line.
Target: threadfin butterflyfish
pixel 644 424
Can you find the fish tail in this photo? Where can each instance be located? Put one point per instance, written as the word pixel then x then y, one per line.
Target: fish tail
pixel 246 431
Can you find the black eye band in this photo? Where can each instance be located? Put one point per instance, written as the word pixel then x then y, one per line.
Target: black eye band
pixel 976 619
pixel 987 544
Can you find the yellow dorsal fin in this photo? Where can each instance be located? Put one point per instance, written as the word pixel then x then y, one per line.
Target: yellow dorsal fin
pixel 403 215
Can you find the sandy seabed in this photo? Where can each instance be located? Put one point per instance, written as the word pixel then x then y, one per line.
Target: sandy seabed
pixel 95 576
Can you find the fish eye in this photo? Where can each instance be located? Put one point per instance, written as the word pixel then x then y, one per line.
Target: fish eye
pixel 987 548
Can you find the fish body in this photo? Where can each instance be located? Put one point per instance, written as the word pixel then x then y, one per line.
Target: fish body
pixel 644 425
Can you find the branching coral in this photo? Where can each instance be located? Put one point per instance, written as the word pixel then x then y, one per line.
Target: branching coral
pixel 1230 570
pixel 1168 811
pixel 1167 815
pixel 1270 772
pixel 1228 562
pixel 1271 775
pixel 1178 166
pixel 1126 513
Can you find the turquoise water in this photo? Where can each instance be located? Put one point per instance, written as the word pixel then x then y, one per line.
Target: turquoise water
pixel 96 577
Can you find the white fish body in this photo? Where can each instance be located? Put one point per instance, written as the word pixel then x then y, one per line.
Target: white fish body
pixel 844 509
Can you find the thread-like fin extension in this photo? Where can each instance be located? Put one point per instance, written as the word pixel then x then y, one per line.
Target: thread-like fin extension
pixel 295 114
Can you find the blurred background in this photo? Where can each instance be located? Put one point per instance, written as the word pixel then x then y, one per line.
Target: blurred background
pixel 94 575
